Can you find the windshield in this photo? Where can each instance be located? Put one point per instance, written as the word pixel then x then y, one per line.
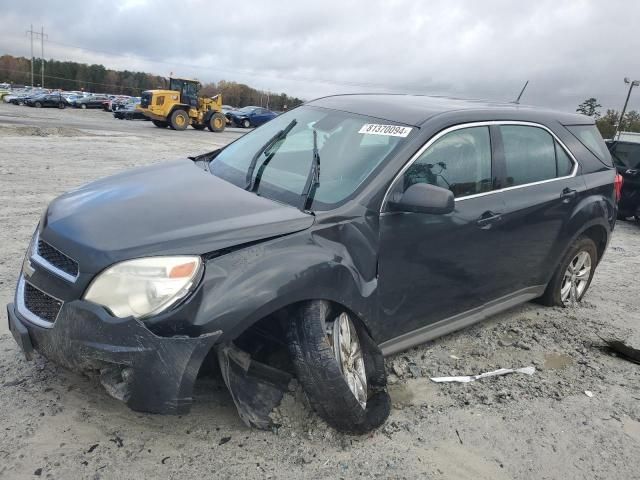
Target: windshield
pixel 351 147
pixel 626 155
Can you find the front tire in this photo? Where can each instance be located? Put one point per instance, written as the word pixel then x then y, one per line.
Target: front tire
pixel 246 123
pixel 37 105
pixel 83 106
pixel 573 276
pixel 339 366
pixel 179 120
pixel 62 106
pixel 217 122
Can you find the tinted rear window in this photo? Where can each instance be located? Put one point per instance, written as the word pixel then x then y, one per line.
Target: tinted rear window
pixel 626 155
pixel 590 137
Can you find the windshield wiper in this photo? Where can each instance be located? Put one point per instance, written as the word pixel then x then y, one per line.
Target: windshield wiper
pixel 313 179
pixel 281 135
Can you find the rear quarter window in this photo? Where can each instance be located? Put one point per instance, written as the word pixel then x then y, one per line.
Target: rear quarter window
pixel 590 137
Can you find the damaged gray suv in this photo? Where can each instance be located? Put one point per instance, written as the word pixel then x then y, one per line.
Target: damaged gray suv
pixel 349 228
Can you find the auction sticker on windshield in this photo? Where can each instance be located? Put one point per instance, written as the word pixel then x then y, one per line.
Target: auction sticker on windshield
pixel 390 130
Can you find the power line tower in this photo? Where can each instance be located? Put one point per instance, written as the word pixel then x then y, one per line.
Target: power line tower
pixel 42 36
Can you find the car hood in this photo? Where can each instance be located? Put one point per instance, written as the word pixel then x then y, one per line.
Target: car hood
pixel 165 209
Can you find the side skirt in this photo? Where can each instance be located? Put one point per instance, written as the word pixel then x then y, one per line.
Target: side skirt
pixel 461 320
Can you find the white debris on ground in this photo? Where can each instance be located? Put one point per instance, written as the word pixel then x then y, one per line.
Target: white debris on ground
pixel 494 373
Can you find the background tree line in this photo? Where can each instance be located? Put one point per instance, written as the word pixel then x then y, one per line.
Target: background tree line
pixel 608 122
pixel 98 79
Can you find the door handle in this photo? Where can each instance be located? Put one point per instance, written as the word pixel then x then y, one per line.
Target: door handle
pixel 568 194
pixel 487 219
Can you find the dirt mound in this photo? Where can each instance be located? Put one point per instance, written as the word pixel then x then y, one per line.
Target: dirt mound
pixel 32 131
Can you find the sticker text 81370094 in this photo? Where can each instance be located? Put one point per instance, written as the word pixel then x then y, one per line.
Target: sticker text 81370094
pixel 389 130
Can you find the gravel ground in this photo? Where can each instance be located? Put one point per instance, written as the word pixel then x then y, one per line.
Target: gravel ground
pixel 60 425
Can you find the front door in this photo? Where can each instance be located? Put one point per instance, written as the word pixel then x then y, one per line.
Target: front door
pixel 432 267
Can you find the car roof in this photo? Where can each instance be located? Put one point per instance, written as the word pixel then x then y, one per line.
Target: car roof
pixel 417 109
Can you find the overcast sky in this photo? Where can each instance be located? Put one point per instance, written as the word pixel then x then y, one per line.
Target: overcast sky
pixel 568 50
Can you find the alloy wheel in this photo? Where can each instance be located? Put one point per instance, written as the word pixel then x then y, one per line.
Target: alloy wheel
pixel 348 352
pixel 576 278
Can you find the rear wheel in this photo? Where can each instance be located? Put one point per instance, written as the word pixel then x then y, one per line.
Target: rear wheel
pixel 339 366
pixel 179 120
pixel 83 106
pixel 62 106
pixel 160 123
pixel 573 276
pixel 217 122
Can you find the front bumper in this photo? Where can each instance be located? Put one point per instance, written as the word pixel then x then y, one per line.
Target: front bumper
pixel 148 372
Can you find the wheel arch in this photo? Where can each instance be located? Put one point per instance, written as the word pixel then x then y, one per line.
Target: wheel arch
pixel 178 106
pixel 600 236
pixel 261 281
pixel 594 217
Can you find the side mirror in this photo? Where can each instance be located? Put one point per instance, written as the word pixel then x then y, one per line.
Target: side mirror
pixel 424 198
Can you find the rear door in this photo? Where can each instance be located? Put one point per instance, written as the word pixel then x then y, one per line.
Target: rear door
pixel 541 190
pixel 259 116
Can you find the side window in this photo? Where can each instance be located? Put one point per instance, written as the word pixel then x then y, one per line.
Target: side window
pixel 565 165
pixel 590 137
pixel 529 154
pixel 459 161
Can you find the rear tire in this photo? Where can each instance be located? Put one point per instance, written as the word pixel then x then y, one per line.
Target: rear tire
pixel 577 281
pixel 160 123
pixel 179 120
pixel 83 106
pixel 62 106
pixel 217 122
pixel 321 375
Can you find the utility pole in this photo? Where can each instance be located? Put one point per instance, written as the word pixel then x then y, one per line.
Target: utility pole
pixel 632 83
pixel 42 55
pixel 30 31
pixel 42 37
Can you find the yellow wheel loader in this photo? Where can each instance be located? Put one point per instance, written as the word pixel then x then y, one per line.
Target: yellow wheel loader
pixel 179 106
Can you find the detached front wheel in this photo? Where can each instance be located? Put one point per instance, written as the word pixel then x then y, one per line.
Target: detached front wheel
pixel 339 366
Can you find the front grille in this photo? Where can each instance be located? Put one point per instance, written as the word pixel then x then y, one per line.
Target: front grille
pixel 58 259
pixel 40 304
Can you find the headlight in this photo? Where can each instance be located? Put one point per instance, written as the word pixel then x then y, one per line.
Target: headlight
pixel 145 286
